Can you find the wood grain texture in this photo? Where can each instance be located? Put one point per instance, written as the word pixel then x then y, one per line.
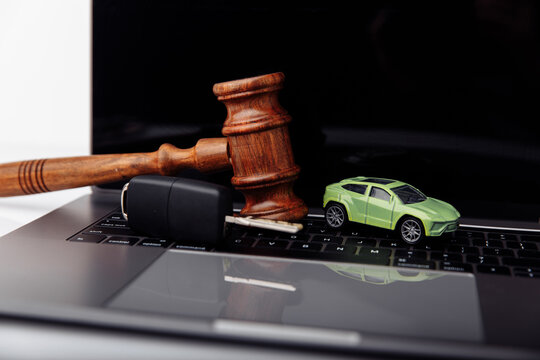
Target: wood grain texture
pixel 36 176
pixel 260 147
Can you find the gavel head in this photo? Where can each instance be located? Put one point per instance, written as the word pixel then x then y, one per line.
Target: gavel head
pixel 260 147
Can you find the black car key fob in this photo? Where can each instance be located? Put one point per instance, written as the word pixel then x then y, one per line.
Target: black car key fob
pixel 181 209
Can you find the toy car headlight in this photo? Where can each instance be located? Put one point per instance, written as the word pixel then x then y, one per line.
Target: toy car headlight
pixel 437 226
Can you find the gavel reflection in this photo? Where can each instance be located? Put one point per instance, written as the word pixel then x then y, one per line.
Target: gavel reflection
pixel 257 146
pixel 261 302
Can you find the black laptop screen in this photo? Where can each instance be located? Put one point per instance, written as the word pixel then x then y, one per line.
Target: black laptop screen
pixel 441 95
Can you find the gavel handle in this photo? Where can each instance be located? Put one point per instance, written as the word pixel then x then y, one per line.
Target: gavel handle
pixel 36 176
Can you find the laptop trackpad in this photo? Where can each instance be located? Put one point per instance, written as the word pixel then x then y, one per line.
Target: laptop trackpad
pixel 367 299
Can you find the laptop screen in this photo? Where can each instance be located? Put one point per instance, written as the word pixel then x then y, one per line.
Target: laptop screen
pixel 441 95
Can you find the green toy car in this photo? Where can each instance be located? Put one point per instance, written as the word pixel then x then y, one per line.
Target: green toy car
pixel 388 204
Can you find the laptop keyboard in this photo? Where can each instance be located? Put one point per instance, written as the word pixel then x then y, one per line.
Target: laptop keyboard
pixel 467 250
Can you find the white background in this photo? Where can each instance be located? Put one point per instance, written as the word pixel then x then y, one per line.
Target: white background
pixel 45 72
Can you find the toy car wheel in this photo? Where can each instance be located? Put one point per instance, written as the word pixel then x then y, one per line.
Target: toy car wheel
pixel 336 216
pixel 411 230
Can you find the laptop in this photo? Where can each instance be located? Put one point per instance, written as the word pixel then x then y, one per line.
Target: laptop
pixel 439 95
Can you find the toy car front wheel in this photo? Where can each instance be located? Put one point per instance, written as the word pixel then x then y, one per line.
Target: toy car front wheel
pixel 336 215
pixel 411 230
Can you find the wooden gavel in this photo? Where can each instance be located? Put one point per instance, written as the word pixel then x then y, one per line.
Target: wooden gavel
pixel 257 145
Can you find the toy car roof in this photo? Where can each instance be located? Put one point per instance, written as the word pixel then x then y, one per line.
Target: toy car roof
pixel 379 181
pixel 373 180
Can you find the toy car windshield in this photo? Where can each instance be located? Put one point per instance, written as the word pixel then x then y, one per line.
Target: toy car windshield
pixel 409 195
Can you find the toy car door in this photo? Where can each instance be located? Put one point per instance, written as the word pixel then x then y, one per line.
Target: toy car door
pixel 357 202
pixel 379 208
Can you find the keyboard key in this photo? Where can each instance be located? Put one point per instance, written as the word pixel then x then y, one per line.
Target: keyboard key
pixel 274 244
pixel 261 233
pixel 532 275
pixel 414 263
pixel 86 238
pixel 500 236
pixel 479 259
pixel 488 243
pixel 521 245
pixel 241 242
pixel 432 246
pixel 298 245
pixel 374 252
pixel 391 244
pixel 313 222
pixel 357 241
pixel 523 262
pixel 114 224
pixel 527 269
pixel 464 234
pixel 498 252
pixel 234 231
pixel 116 216
pixel 322 230
pixel 411 254
pixel 528 254
pixel 489 269
pixel 109 231
pixel 295 237
pixel 458 242
pixel 163 243
pixel 527 272
pixel 446 256
pixel 356 233
pixel 122 240
pixel 455 266
pixel 527 245
pixel 343 249
pixel 326 239
pixel 187 246
pixel 463 249
pixel 535 238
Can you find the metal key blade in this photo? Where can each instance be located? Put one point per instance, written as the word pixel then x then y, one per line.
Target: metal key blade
pixel 265 224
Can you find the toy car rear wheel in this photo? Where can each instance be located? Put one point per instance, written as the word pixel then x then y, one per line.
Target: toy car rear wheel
pixel 336 215
pixel 411 230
